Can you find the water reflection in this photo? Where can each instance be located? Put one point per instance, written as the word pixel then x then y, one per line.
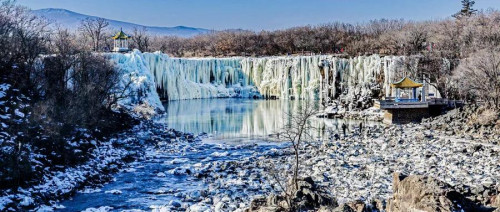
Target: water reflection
pixel 243 119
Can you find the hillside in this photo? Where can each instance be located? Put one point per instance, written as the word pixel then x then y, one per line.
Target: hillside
pixel 71 20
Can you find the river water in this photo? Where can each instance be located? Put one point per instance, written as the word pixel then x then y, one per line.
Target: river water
pixel 233 127
pixel 243 120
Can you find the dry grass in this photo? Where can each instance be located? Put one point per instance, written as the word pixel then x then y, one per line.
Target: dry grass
pixel 486 116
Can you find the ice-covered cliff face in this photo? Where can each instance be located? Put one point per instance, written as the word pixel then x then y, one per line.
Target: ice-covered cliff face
pixel 194 78
pixel 137 84
pixel 312 77
pixel 323 77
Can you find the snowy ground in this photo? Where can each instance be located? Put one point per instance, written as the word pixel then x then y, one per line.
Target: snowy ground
pixel 202 176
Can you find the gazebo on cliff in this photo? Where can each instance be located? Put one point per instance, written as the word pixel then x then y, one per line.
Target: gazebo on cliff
pixel 120 43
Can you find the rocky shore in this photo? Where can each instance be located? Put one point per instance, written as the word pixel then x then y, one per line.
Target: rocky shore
pixel 359 167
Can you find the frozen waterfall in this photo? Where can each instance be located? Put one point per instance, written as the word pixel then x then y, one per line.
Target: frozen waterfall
pixel 324 77
pixel 311 77
pixel 136 83
pixel 193 78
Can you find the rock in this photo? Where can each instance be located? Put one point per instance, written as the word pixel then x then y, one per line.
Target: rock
pixel 379 204
pixel 198 208
pixel 308 196
pixel 358 206
pixel 257 203
pixel 420 193
pixel 175 204
pixel 26 201
pixel 220 206
pixel 495 201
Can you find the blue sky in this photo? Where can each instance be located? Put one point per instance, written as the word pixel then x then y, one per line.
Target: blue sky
pixel 257 14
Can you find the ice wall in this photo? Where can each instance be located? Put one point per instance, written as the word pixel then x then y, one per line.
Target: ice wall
pixel 137 84
pixel 324 77
pixel 315 77
pixel 194 78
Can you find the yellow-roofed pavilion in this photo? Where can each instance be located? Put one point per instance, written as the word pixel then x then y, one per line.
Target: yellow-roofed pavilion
pixel 121 42
pixel 406 83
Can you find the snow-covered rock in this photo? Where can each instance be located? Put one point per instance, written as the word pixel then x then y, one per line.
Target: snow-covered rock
pixel 27 201
pixel 100 209
pixel 114 191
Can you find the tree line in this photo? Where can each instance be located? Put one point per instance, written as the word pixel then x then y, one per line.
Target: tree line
pixel 450 38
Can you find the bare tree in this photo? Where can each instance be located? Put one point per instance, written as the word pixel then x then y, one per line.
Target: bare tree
pixel 140 39
pixel 298 130
pixel 478 77
pixel 94 28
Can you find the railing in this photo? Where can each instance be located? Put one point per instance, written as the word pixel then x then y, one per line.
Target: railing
pixel 406 103
pixel 406 100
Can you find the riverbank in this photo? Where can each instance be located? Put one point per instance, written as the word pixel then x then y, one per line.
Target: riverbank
pixel 106 158
pixel 458 149
pixel 360 167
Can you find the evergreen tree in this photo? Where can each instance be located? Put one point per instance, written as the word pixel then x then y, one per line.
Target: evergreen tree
pixel 466 10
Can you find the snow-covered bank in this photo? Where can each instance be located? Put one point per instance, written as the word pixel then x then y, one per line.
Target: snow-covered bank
pixel 201 176
pixel 104 161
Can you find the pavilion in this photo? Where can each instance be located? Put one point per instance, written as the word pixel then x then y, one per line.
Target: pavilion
pixel 408 84
pixel 408 102
pixel 121 42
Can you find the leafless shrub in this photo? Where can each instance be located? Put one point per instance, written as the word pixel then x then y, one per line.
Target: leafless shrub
pixel 478 77
pixel 297 130
pixel 140 39
pixel 485 116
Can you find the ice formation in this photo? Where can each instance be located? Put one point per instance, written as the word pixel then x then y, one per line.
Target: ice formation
pixel 314 77
pixel 311 77
pixel 136 82
pixel 323 77
pixel 195 78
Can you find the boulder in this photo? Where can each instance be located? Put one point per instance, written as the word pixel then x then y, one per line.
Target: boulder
pixel 307 197
pixel 421 193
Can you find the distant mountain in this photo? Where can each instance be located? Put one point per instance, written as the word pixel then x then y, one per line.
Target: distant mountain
pixel 71 20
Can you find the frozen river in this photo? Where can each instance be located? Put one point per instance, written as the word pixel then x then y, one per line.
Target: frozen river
pixel 242 120
pixel 237 129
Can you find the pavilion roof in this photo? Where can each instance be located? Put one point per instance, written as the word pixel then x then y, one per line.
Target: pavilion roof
pixel 120 35
pixel 406 83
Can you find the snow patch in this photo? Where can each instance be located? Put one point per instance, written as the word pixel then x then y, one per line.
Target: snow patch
pixel 114 191
pixel 100 209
